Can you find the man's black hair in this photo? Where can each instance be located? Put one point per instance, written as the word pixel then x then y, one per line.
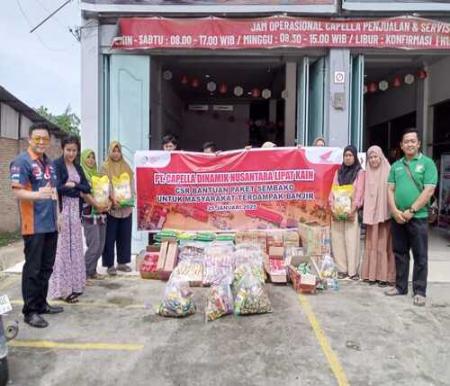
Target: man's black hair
pixel 38 126
pixel 412 130
pixel 169 138
pixel 211 145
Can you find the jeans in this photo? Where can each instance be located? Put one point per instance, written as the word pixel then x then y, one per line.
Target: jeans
pixel 405 237
pixel 40 252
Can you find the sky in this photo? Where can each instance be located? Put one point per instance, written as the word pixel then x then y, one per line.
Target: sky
pixel 42 68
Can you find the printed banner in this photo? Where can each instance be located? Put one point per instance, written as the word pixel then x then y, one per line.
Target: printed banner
pixel 281 31
pixel 235 190
pixel 444 192
pixel 211 2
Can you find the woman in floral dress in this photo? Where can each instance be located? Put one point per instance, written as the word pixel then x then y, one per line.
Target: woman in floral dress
pixel 69 272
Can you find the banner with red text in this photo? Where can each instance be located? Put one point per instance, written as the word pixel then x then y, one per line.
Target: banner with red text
pixel 235 190
pixel 282 31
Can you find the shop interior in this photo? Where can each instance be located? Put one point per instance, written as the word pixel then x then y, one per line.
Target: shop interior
pixel 231 101
pixel 394 99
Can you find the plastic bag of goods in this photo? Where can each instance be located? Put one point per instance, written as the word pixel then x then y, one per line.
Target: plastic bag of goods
pixel 250 295
pixel 177 300
pixel 122 190
pixel 100 190
pixel 191 250
pixel 218 262
pixel 316 239
pixel 219 301
pixel 190 271
pixel 342 201
pixel 248 253
pixel 243 270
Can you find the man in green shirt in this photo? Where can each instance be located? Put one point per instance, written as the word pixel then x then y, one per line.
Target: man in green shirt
pixel 412 181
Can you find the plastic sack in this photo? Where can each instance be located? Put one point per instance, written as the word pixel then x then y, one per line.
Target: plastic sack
pixel 328 267
pixel 316 239
pixel 218 263
pixel 122 190
pixel 342 203
pixel 250 296
pixel 248 254
pixel 219 301
pixel 100 190
pixel 177 300
pixel 190 271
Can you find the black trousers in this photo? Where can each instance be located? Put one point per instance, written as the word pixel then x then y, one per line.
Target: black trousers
pixel 405 237
pixel 118 234
pixel 40 252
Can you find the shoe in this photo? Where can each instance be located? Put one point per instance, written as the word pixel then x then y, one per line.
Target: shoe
pixel 52 310
pixel 355 277
pixel 341 275
pixel 95 276
pixel 123 268
pixel 35 320
pixel 111 271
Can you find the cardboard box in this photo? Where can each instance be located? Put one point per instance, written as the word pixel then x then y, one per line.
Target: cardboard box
pixel 162 256
pixel 153 248
pixel 306 284
pixel 275 277
pixel 170 259
pixel 276 252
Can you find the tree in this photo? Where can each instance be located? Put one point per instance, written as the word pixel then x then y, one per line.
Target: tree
pixel 68 121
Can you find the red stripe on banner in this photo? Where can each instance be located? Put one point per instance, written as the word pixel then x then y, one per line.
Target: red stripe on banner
pixel 282 31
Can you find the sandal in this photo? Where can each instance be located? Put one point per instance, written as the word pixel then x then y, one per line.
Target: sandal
pixel 382 284
pixel 123 268
pixel 393 292
pixel 419 300
pixel 71 299
pixel 341 275
pixel 355 277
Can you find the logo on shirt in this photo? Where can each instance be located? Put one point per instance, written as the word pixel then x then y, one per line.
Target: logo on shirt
pixel 420 168
pixel 36 171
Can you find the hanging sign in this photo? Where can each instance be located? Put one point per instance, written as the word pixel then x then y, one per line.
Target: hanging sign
pixel 281 31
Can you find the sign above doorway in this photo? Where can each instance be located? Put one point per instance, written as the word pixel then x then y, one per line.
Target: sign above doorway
pixel 404 32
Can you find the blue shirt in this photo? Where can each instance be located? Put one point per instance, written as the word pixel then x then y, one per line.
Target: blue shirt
pixel 29 172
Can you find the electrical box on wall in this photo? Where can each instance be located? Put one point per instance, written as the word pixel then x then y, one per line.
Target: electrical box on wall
pixel 339 100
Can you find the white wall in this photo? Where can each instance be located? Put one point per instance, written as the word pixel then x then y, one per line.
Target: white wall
pixel 25 124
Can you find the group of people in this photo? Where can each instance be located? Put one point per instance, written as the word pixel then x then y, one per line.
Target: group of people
pixel 56 203
pixel 392 202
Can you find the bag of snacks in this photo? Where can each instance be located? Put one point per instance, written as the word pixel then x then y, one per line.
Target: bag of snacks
pixel 177 300
pixel 100 190
pixel 218 263
pixel 122 190
pixel 219 301
pixel 250 295
pixel 342 203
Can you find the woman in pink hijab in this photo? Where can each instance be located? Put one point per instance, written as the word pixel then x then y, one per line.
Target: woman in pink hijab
pixel 379 261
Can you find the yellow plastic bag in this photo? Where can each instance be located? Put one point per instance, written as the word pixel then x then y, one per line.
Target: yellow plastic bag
pixel 122 190
pixel 342 203
pixel 100 190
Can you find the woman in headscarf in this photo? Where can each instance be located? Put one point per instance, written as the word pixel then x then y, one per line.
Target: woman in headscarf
pixel 93 218
pixel 119 220
pixel 379 262
pixel 345 233
pixel 319 141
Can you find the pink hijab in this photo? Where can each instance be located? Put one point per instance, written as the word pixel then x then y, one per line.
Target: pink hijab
pixel 375 193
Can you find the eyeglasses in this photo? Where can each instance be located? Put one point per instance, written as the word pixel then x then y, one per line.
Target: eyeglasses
pixel 37 140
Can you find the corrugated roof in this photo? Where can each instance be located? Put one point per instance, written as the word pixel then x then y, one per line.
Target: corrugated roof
pixel 9 99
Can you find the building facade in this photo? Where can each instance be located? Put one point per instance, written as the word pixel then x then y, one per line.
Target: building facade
pixel 242 72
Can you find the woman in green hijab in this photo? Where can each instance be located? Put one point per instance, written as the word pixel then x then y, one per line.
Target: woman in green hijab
pixel 94 219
